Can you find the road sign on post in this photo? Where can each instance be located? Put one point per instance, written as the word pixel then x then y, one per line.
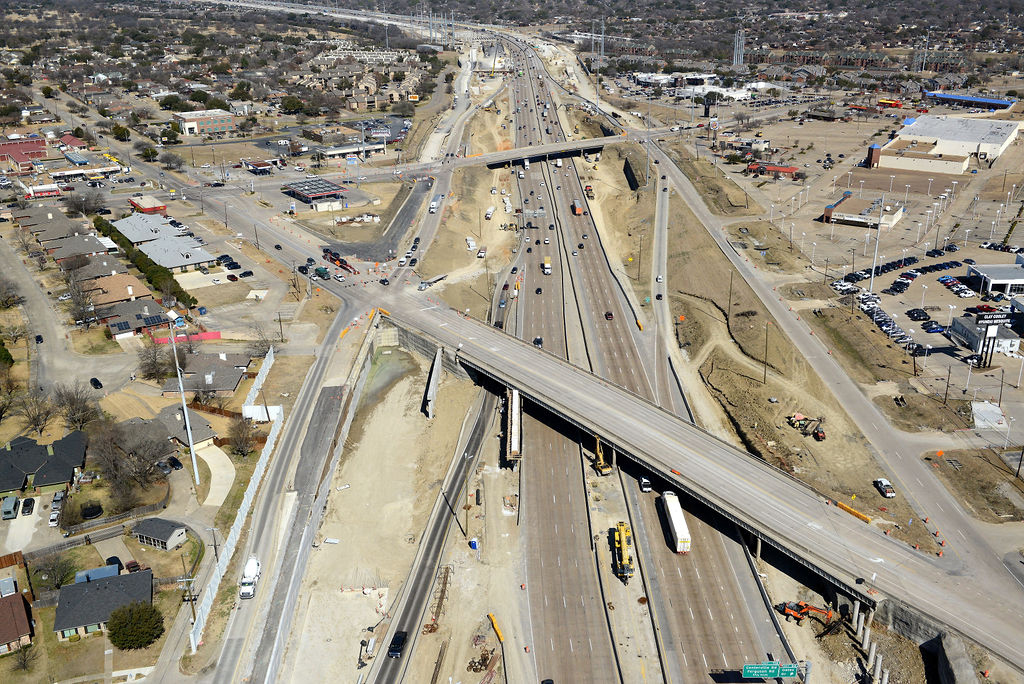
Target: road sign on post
pixel 760 670
pixel 788 670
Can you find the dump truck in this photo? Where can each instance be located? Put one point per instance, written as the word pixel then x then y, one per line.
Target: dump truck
pixel 546 268
pixel 322 273
pixel 577 207
pixel 250 576
pixel 588 190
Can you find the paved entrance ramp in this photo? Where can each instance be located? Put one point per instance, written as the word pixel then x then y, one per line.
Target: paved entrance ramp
pixel 222 474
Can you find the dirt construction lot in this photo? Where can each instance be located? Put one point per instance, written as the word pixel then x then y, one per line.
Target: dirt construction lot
pixel 467 284
pixel 350 585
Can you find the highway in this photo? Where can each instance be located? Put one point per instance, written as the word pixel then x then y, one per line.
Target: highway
pixel 783 510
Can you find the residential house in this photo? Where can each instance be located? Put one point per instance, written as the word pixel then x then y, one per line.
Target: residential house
pixel 77 245
pixel 15 627
pixel 99 266
pixel 71 141
pixel 140 228
pixel 160 533
pixel 126 319
pixel 113 289
pixel 177 253
pixel 202 432
pixel 216 373
pixel 85 608
pixel 27 466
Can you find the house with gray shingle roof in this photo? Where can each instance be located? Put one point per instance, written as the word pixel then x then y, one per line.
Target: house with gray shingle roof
pixel 84 608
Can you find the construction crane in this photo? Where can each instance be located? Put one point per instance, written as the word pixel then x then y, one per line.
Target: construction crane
pixel 600 465
pixel 623 552
pixel 801 609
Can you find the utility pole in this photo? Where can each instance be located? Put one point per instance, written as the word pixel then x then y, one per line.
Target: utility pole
pixel 945 396
pixel 728 315
pixel 765 380
pixel 280 326
pixel 825 279
pixel 257 232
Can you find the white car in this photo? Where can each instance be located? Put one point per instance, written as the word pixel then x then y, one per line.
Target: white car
pixel 660 279
pixel 64 297
pixel 54 518
pixel 885 488
pixel 340 278
pixel 216 281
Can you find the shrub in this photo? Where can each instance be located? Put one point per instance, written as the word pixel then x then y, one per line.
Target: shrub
pixel 136 625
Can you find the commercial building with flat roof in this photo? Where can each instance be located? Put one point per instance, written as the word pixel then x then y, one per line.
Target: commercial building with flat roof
pixel 211 122
pixel 309 191
pixel 148 205
pixel 943 144
pixel 857 211
pixel 969 100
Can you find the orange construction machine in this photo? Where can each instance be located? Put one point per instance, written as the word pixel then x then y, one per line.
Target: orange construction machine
pixel 802 609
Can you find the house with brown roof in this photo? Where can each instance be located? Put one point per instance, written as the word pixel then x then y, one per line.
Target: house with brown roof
pixel 15 628
pixel 111 289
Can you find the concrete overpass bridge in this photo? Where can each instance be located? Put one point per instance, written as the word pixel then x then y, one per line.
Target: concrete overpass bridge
pixel 539 152
pixel 775 507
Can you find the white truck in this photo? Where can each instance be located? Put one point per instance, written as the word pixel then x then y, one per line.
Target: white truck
pixel 436 204
pixel 250 576
pixel 676 522
pixel 489 213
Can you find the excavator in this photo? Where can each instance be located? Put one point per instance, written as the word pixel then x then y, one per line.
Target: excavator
pixel 600 465
pixel 801 609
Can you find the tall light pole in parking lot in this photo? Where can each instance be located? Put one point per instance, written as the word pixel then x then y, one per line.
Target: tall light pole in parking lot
pixel 1009 424
pixel 929 193
pixel 891 179
pixel 967 237
pixel 861 194
pixel 906 194
pixel 925 291
pixel 874 260
pixel 951 307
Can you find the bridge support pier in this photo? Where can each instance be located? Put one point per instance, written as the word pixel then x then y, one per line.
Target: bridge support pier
pixel 871 658
pixel 757 548
pixel 807 672
pixel 866 643
pixel 856 611
pixel 860 626
pixel 885 676
pixel 878 668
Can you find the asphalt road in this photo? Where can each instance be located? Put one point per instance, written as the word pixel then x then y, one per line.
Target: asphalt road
pixel 782 508
pixel 416 590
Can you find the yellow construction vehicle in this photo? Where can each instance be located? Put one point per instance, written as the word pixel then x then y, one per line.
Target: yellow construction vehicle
pixel 623 552
pixel 600 465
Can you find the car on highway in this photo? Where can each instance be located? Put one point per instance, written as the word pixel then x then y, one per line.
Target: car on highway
pixel 277 247
pixel 580 246
pixel 515 269
pixel 504 287
pixel 660 279
pixel 538 342
pixel 39 339
pixel 539 290
pixel 95 382
pixel 608 316
pixel 303 270
pixel 398 644
pixel 575 253
pixel 658 297
pixel 385 281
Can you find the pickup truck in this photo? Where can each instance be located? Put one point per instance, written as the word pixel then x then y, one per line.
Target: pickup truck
pixel 885 488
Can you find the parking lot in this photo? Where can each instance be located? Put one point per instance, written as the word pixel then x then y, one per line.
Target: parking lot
pixel 29 531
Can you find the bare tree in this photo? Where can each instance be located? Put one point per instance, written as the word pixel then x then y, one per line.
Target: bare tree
pixel 126 455
pixel 243 436
pixel 8 392
pixel 54 571
pixel 85 203
pixel 80 304
pixel 172 160
pixel 24 658
pixel 73 263
pixel 151 365
pixel 259 347
pixel 15 333
pixel 76 404
pixel 36 411
pixel 10 293
pixel 25 240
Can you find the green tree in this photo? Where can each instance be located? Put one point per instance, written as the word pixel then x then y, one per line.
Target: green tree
pixel 200 96
pixel 291 104
pixel 149 154
pixel 170 102
pixel 47 91
pixel 120 132
pixel 136 625
pixel 217 103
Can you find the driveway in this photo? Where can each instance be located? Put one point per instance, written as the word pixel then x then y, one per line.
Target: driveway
pixel 18 533
pixel 222 474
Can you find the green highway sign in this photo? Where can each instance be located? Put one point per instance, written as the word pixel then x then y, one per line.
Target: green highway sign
pixel 770 670
pixel 760 670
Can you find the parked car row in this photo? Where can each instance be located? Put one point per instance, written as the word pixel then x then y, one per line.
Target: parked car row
pixel 956 287
pixel 1001 247
pixel 885 322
